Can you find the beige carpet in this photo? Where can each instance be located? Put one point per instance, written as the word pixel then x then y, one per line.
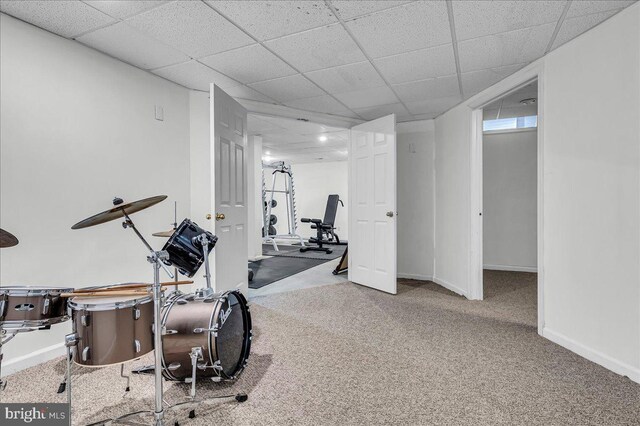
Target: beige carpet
pixel 347 355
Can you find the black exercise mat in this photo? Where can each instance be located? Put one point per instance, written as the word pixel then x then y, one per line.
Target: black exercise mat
pixel 267 271
pixel 294 251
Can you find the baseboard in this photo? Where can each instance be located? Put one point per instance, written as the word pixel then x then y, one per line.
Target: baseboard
pixel 418 277
pixel 593 355
pixel 32 359
pixel 450 286
pixel 511 268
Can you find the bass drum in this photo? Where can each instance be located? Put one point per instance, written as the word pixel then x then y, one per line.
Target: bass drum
pixel 218 325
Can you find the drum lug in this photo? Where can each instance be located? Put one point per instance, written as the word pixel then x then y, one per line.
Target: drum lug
pixel 174 366
pixel 136 313
pixel 71 340
pixel 84 319
pixel 3 307
pixel 170 331
pixel 217 366
pixel 45 307
pixel 86 354
pixel 136 345
pixel 202 330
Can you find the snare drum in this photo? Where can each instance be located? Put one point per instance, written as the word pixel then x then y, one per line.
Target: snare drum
pixel 111 330
pixel 219 326
pixel 185 252
pixel 25 308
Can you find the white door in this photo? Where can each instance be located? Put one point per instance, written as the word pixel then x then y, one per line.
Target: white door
pixel 228 123
pixel 372 204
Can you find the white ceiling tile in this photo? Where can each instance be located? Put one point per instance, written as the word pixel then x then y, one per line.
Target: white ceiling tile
pixel 513 99
pixel 409 27
pixel 371 113
pixel 316 49
pixel 480 18
pixel 192 27
pixel 513 47
pixel 65 18
pixel 573 27
pixel 196 76
pixel 255 124
pixel 123 9
pixel 418 65
pixel 249 64
pixel 587 7
pixel 270 19
pixel 433 106
pixel 476 81
pixel 424 116
pixel 129 45
pixel 325 104
pixel 288 88
pixel 432 88
pixel 244 92
pixel 347 78
pixel 348 9
pixel 366 98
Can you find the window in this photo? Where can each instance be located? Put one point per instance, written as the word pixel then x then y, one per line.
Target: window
pixel 528 122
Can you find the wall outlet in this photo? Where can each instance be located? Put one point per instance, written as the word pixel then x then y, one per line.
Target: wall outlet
pixel 159 113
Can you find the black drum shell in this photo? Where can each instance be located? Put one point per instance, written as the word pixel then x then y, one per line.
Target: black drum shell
pixel 183 253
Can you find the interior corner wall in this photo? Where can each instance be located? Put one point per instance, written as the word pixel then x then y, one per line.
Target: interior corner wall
pixel 415 189
pixel 77 129
pixel 452 200
pixel 510 198
pixel 591 193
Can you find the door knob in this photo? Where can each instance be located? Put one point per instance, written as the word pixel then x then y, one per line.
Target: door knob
pixel 208 216
pixel 219 216
pixel 390 214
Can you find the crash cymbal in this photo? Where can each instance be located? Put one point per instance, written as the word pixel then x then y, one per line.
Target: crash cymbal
pixel 7 239
pixel 164 234
pixel 118 210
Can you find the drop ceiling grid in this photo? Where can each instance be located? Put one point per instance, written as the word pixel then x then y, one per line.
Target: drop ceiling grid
pixel 581 15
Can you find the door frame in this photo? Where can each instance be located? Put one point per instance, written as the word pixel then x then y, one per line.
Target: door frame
pixel 532 72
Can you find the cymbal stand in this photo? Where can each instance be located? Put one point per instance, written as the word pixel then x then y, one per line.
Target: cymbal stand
pixel 156 258
pixel 175 226
pixel 204 240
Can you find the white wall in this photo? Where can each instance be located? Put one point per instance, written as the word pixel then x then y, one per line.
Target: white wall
pixel 415 187
pixel 314 182
pixel 452 205
pixel 509 208
pixel 77 129
pixel 254 209
pixel 591 194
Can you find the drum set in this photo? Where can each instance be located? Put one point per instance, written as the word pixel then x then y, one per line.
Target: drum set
pixel 199 335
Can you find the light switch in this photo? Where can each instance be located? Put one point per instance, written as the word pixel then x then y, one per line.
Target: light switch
pixel 159 113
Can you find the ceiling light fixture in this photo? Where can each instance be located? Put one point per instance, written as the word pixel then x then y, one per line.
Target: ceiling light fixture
pixel 322 138
pixel 528 101
pixel 267 153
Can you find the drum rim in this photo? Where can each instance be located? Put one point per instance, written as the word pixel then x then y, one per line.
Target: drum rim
pixel 22 291
pixel 21 325
pixel 110 306
pixel 246 346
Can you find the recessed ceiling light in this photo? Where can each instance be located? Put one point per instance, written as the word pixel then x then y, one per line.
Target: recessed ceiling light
pixel 267 153
pixel 322 138
pixel 528 101
pixel 267 159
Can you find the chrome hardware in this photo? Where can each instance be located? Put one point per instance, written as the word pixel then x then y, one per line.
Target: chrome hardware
pixel 174 366
pixel 71 340
pixel 85 354
pixel 136 345
pixel 45 307
pixel 170 331
pixel 390 214
pixel 202 330
pixel 84 320
pixel 136 313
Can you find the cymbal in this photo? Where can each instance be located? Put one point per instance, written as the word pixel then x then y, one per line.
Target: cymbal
pixel 7 239
pixel 165 234
pixel 118 211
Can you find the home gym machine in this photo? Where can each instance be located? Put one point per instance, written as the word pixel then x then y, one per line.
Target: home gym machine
pixel 269 232
pixel 325 228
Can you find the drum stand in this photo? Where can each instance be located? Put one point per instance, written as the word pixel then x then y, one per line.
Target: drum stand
pixel 4 340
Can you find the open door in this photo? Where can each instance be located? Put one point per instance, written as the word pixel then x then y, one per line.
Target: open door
pixel 372 204
pixel 228 126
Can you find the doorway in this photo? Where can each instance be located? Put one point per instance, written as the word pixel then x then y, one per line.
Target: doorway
pixel 507 191
pixel 301 175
